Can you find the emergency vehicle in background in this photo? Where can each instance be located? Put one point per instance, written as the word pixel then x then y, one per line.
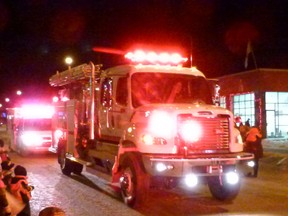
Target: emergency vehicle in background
pixel 29 128
pixel 146 124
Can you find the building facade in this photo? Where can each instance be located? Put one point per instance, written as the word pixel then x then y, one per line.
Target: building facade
pixel 260 95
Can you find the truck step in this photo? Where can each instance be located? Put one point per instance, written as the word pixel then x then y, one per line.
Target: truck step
pixel 79 160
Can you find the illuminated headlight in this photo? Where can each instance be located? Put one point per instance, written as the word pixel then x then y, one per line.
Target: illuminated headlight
pixel 161 124
pixel 251 163
pixel 31 138
pixel 190 131
pixel 148 139
pixel 191 180
pixel 160 167
pixel 232 178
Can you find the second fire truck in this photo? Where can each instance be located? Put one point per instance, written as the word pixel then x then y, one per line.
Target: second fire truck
pixel 148 123
pixel 29 128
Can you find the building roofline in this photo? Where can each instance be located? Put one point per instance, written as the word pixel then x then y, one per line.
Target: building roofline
pixel 253 71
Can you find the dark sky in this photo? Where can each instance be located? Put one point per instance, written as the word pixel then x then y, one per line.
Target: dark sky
pixel 36 35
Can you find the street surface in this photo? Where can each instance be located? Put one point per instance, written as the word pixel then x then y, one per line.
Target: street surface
pixel 88 195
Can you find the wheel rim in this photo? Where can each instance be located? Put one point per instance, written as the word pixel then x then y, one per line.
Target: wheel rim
pixel 127 185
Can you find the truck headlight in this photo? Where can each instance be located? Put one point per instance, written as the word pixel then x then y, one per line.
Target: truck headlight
pixel 190 131
pixel 251 163
pixel 148 139
pixel 160 167
pixel 191 180
pixel 232 178
pixel 161 124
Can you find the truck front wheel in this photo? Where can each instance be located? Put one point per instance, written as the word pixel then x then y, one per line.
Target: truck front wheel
pixel 134 183
pixel 221 189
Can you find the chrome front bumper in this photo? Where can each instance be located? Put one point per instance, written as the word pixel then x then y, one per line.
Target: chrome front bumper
pixel 202 164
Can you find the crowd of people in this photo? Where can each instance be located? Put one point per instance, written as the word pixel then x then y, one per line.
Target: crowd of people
pixel 15 190
pixel 252 139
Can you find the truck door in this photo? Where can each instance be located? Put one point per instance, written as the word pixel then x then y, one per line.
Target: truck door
pixel 72 124
pixel 120 112
pixel 104 109
pixel 107 147
pixel 114 113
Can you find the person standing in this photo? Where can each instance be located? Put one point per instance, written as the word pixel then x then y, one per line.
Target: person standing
pixel 247 123
pixel 244 129
pixel 253 145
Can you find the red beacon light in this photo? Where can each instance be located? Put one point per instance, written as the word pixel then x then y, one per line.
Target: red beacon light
pixel 139 56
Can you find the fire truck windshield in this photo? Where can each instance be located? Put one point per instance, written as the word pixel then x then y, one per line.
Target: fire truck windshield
pixel 37 124
pixel 150 88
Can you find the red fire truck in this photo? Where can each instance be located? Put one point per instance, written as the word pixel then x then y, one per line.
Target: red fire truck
pixel 151 122
pixel 29 128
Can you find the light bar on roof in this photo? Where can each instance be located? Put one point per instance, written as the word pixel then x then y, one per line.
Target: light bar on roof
pixel 139 56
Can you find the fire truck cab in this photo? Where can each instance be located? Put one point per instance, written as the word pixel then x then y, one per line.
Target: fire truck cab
pixel 30 128
pixel 146 124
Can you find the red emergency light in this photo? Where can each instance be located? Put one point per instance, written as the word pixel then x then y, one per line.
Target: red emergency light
pixel 140 56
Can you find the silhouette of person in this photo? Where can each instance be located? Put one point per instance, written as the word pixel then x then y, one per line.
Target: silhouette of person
pixel 253 145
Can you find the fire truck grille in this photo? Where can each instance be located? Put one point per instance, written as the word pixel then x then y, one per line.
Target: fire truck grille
pixel 215 138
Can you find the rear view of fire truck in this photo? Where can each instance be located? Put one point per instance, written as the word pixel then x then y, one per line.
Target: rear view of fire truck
pixel 146 124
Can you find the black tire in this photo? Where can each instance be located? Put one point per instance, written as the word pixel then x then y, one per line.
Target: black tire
pixel 65 164
pixel 221 190
pixel 77 168
pixel 134 183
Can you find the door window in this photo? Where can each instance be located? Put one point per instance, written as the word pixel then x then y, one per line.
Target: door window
pixel 244 106
pixel 122 91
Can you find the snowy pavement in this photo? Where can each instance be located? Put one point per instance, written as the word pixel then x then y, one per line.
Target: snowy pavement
pixel 279 145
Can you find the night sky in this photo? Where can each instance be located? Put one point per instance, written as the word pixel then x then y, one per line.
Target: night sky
pixel 36 35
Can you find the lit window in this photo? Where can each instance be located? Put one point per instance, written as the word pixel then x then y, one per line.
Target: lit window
pixel 244 106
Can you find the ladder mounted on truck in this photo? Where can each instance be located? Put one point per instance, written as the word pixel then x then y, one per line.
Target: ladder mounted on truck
pixel 82 72
pixel 86 73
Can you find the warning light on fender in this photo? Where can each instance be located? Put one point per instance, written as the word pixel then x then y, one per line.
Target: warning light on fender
pixel 139 56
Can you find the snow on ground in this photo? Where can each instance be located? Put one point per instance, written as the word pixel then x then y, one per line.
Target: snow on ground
pixel 275 143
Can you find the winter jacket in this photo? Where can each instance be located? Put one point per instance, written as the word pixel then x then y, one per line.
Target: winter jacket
pixel 20 189
pixel 253 143
pixel 3 155
pixel 4 205
pixel 253 134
